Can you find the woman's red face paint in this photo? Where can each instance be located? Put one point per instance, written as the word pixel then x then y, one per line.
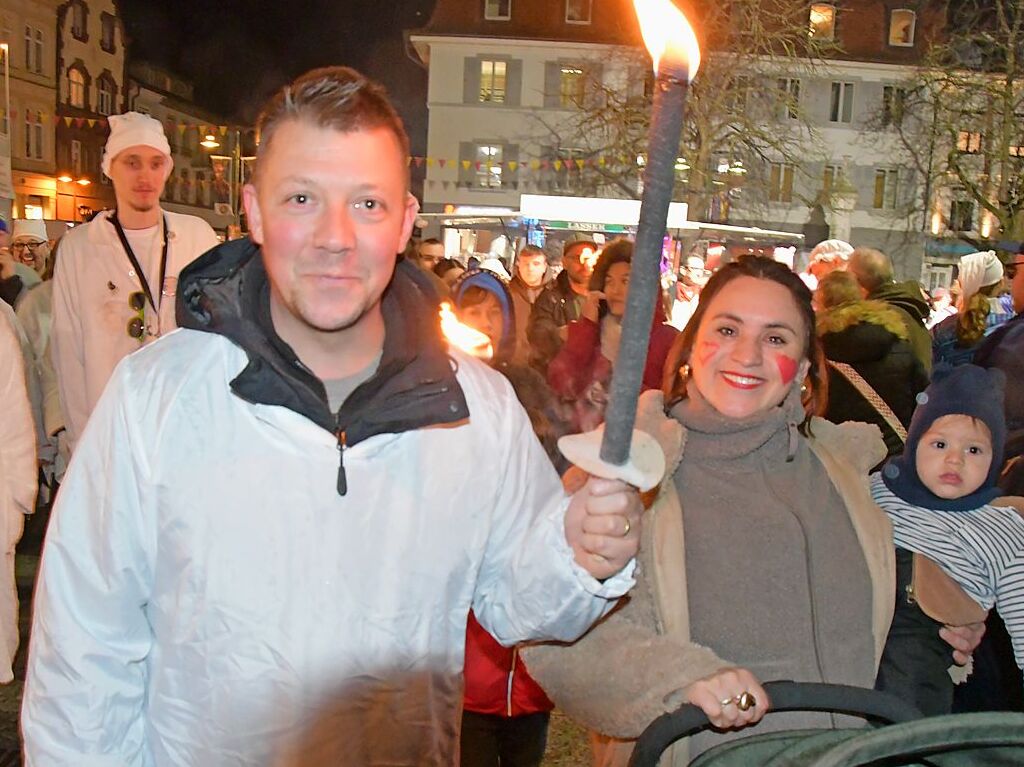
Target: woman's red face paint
pixel 787 367
pixel 706 350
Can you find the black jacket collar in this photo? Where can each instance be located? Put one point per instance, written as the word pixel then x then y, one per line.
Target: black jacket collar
pixel 226 292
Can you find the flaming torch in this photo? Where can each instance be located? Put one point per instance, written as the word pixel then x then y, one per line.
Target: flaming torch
pixel 470 340
pixel 626 453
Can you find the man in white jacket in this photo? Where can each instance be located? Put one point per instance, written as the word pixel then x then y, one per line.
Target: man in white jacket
pixel 18 475
pixel 269 539
pixel 115 282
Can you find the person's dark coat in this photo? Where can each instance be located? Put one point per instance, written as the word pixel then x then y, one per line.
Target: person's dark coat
pixel 871 337
pixel 906 298
pixel 554 308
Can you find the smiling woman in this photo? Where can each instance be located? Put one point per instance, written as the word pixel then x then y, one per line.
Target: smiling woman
pixel 779 526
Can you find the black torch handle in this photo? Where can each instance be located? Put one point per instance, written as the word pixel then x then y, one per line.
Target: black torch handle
pixel 644 274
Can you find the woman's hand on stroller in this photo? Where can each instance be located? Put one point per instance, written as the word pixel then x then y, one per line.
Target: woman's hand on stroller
pixel 731 698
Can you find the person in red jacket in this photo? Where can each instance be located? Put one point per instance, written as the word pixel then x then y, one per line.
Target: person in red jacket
pixel 581 371
pixel 505 713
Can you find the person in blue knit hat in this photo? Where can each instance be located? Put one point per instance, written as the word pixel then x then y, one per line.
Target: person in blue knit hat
pixel 939 495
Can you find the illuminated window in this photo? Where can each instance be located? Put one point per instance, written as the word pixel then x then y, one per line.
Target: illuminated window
pixel 901 27
pixel 823 21
pixel 578 11
pixel 492 81
pixel 489 166
pixel 76 88
pixel 969 142
pixel 841 110
pixel 886 188
pixel 497 10
pixel 780 182
pixel 571 86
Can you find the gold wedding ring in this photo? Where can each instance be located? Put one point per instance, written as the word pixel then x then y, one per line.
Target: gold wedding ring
pixel 626 531
pixel 745 701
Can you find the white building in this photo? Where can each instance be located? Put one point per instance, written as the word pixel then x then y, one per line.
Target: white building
pixel 505 76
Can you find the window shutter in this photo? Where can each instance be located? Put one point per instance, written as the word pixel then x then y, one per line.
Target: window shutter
pixel 510 153
pixel 595 85
pixel 513 82
pixel 471 80
pixel 552 84
pixel 466 152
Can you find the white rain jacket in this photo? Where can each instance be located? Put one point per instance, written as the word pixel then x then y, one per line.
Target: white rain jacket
pixel 92 282
pixel 209 596
pixel 18 477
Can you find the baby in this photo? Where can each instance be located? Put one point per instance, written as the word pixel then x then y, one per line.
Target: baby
pixel 939 496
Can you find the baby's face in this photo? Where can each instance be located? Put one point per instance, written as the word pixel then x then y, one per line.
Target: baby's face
pixel 954 456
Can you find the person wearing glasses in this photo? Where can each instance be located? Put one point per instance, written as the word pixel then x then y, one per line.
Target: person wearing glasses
pixel 30 245
pixel 114 288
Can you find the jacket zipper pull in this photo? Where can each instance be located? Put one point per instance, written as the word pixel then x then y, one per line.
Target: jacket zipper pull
pixel 342 479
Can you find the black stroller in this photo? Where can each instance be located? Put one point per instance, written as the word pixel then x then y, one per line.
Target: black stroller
pixel 905 740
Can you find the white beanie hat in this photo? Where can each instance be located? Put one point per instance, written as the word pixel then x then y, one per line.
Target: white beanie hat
pixel 830 250
pixel 133 129
pixel 29 227
pixel 978 270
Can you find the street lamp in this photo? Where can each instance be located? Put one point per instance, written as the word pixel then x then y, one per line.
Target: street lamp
pixel 6 88
pixel 67 178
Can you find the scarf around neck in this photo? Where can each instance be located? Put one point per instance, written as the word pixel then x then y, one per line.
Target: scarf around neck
pixel 713 436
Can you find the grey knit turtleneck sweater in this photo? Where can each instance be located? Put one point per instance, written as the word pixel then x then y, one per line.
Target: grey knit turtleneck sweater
pixel 777 580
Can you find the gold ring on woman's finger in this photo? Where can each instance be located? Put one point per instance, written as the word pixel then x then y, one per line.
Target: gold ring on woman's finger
pixel 726 702
pixel 745 701
pixel 626 531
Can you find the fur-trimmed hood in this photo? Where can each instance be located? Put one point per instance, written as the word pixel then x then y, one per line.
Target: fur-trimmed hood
pixel 844 316
pixel 861 331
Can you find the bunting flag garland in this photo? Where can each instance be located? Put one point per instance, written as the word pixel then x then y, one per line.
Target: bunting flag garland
pixel 533 173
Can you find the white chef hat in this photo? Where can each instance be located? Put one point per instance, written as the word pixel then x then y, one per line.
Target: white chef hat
pixel 134 129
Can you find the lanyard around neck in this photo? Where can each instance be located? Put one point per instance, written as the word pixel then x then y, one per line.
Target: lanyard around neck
pixel 135 261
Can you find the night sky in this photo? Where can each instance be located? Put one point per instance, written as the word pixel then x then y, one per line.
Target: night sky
pixel 237 52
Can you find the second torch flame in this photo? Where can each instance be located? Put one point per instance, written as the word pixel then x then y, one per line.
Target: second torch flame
pixel 470 340
pixel 667 34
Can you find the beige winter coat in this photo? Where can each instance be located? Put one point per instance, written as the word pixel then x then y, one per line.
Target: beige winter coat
pixel 632 666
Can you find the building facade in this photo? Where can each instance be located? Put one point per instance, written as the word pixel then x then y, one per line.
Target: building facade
pixel 507 76
pixel 28 29
pixel 202 181
pixel 91 84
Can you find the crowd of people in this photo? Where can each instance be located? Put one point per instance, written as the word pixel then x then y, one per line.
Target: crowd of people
pixel 305 529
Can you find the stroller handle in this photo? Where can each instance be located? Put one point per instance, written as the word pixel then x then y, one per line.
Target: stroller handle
pixel 785 696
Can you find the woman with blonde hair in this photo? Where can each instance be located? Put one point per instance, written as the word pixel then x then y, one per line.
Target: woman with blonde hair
pixel 979 312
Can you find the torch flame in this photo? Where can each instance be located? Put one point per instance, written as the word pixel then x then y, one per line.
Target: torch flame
pixel 588 257
pixel 667 34
pixel 470 340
